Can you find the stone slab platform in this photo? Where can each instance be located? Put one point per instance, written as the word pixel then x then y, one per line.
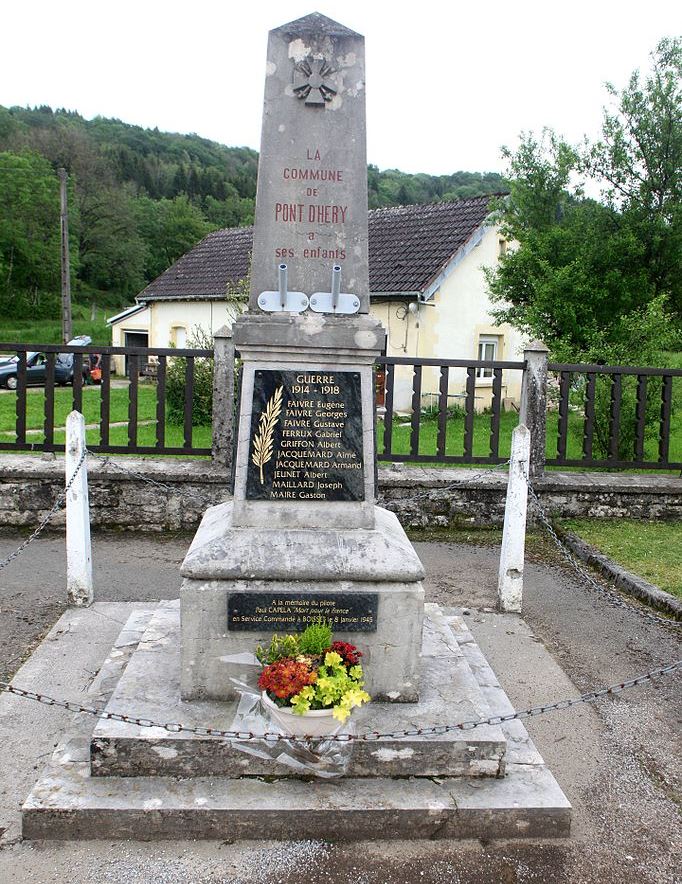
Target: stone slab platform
pixel 69 803
pixel 150 685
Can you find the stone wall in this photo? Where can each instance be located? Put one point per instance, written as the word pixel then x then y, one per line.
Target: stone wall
pixel 119 498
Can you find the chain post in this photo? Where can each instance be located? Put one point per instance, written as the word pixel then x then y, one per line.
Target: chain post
pixel 79 584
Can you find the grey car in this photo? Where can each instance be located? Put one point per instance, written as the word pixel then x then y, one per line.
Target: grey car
pixel 36 367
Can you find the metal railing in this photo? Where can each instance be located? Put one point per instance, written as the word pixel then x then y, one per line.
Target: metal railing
pixel 54 370
pixel 620 416
pixel 599 416
pixel 444 444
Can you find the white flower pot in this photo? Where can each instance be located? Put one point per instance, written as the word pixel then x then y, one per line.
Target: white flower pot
pixel 315 723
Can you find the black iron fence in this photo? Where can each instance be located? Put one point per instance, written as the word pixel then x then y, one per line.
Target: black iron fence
pixel 429 410
pixel 120 423
pixel 448 422
pixel 614 416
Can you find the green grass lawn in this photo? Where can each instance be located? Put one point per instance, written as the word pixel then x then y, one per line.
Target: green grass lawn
pixel 49 331
pixel 146 411
pixel 428 435
pixel 63 404
pixel 653 550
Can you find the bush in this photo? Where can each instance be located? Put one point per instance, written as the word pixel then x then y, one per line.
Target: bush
pixel 202 393
pixel 641 337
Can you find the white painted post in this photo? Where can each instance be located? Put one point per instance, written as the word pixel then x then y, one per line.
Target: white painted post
pixel 510 577
pixel 78 549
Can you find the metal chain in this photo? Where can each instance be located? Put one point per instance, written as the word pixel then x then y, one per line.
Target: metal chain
pixel 46 519
pixel 434 730
pixel 108 462
pixel 459 482
pixel 611 595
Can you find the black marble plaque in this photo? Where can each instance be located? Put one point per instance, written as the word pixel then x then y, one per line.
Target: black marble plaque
pixel 292 612
pixel 306 437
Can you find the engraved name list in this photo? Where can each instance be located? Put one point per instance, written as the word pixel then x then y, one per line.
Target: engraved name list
pixel 306 436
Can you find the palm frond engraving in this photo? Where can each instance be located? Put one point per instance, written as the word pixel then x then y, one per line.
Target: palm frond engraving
pixel 264 438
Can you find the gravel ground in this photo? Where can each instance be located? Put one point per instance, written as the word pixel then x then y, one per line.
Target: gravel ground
pixel 618 761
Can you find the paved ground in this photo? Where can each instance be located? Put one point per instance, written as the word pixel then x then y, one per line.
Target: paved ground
pixel 618 762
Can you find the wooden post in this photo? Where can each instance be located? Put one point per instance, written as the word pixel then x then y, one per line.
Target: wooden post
pixel 67 330
pixel 510 576
pixel 79 586
pixel 223 398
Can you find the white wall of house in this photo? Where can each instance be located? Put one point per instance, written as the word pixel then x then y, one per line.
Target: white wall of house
pixel 174 323
pixel 453 325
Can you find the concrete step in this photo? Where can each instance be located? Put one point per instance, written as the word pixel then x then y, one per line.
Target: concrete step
pixel 67 803
pixel 150 688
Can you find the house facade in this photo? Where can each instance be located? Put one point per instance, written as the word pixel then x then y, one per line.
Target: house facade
pixel 427 286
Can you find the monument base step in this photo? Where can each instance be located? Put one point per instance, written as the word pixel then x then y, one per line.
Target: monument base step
pixel 69 803
pixel 150 686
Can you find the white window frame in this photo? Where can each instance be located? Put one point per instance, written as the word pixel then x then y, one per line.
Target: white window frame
pixel 484 343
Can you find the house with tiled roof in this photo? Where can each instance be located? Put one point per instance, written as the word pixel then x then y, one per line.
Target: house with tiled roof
pixel 427 286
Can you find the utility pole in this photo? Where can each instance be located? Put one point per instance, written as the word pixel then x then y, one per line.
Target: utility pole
pixel 66 269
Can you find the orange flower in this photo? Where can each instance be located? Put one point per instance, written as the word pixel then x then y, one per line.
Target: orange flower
pixel 286 678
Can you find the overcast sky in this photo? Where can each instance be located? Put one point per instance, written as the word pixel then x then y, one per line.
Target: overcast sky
pixel 447 83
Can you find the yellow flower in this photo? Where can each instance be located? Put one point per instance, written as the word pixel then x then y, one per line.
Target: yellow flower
pixel 332 659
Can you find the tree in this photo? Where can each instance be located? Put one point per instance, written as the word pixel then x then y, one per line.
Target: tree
pixel 582 266
pixel 639 159
pixel 29 236
pixel 168 228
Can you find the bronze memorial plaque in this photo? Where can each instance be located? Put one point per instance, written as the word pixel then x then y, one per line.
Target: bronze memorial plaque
pixel 306 436
pixel 293 611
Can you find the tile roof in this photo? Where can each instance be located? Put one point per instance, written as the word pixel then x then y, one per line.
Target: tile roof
pixel 408 247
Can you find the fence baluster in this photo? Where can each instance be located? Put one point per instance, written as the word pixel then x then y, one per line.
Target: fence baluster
pixel 77 381
pixel 443 410
pixel 614 416
pixel 134 375
pixel 469 414
pixel 105 400
pixel 161 403
pixel 562 428
pixel 48 424
pixel 496 413
pixel 416 409
pixel 588 427
pixel 189 401
pixel 20 405
pixel 640 416
pixel 666 410
pixel 388 403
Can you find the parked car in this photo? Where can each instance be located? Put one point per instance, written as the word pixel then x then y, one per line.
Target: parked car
pixel 36 367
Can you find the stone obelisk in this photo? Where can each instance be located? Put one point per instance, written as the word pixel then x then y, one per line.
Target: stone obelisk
pixel 303 537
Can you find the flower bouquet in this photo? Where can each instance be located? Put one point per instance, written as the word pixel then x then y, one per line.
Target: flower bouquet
pixel 310 683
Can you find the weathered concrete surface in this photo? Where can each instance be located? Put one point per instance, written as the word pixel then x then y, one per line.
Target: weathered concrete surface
pixel 533 413
pixel 69 803
pixel 299 136
pixel 618 761
pixel 420 497
pixel 224 560
pixel 510 573
pixel 311 342
pixel 151 686
pixel 220 551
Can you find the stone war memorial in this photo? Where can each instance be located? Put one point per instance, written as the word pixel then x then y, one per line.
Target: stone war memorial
pixel 301 540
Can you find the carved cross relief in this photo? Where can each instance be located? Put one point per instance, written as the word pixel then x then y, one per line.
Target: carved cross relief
pixel 311 81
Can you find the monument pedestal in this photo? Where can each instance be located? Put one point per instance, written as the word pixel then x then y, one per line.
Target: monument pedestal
pixel 302 539
pixel 367 582
pixel 114 780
